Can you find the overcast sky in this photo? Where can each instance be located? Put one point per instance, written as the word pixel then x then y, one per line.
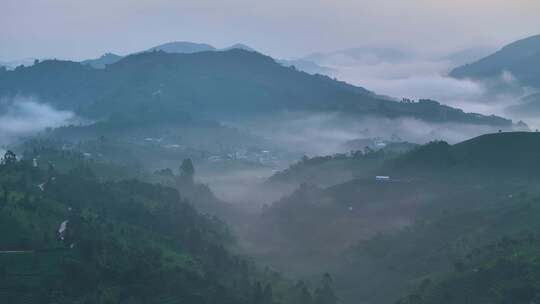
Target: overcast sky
pixel 76 29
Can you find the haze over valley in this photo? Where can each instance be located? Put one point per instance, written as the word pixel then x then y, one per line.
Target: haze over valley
pixel 319 153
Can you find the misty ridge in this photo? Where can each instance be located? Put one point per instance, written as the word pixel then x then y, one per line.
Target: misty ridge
pixel 188 173
pixel 416 75
pixel 389 72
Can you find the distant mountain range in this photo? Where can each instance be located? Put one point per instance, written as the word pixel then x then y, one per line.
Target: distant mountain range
pixel 183 47
pixel 177 47
pixel 521 59
pixel 15 63
pixel 101 62
pixel 514 64
pixel 216 85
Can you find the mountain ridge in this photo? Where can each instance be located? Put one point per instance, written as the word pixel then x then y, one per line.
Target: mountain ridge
pixel 198 82
pixel 518 58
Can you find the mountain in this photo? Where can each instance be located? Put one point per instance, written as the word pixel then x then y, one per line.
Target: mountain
pixel 239 46
pixel 182 47
pixel 306 66
pixel 511 154
pixel 520 59
pixel 101 62
pixel 12 64
pixel 68 237
pixel 217 85
pixel 382 237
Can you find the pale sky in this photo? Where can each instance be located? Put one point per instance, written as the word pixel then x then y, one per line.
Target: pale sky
pixel 76 29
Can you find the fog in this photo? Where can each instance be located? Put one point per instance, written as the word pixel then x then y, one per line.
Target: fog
pixel 404 73
pixel 21 117
pixel 326 133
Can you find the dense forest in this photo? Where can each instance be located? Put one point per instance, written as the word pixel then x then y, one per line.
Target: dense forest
pixel 69 238
pixel 440 204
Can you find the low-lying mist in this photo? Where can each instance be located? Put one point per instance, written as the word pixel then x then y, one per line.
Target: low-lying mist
pixel 327 133
pixel 319 134
pixel 425 76
pixel 21 117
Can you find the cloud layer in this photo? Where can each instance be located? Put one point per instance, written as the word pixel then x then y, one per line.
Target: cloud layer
pixel 22 117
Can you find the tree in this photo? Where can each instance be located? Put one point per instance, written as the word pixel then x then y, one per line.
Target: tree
pixel 9 158
pixel 325 294
pixel 268 294
pixel 301 294
pixel 187 170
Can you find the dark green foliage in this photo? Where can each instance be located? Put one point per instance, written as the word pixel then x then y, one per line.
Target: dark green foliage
pixel 325 294
pixel 442 202
pixel 330 170
pixel 506 271
pixel 124 242
pixel 507 155
pixel 9 158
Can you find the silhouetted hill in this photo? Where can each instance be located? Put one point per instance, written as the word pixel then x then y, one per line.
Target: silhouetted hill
pixel 220 85
pixel 494 156
pixel 240 46
pixel 182 47
pixel 179 47
pixel 520 58
pixel 101 62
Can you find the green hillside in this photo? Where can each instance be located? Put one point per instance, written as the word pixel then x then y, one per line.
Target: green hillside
pixel 381 239
pixel 497 156
pixel 69 238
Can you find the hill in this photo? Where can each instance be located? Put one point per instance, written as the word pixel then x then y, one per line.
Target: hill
pixel 306 66
pixel 182 47
pixel 68 238
pixel 504 155
pixel 519 58
pixel 218 85
pixel 178 47
pixel 101 62
pixel 325 171
pixel 439 202
pixel 505 271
